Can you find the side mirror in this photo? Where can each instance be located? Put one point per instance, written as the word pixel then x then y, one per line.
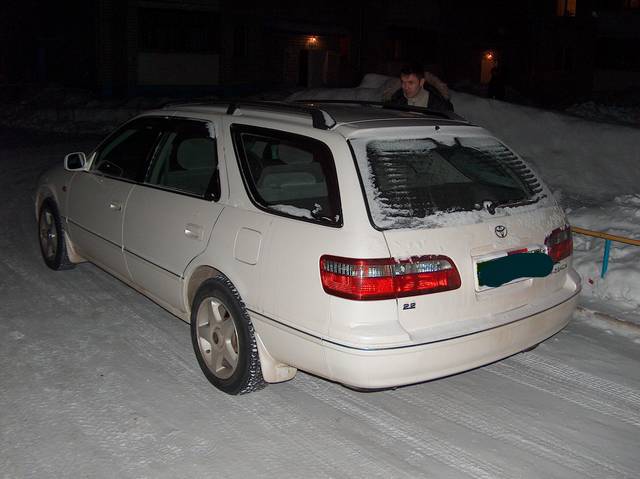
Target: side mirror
pixel 75 161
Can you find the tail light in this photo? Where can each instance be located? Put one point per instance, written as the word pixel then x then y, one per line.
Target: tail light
pixel 559 243
pixel 386 278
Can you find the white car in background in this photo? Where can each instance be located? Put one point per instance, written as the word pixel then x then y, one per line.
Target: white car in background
pixel 372 246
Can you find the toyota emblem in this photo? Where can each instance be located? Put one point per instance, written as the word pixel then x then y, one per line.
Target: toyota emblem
pixel 501 231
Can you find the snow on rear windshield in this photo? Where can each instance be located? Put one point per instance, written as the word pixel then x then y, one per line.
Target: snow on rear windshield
pixel 408 182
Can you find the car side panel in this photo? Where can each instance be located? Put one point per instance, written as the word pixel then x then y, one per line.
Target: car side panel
pixel 95 212
pixel 237 250
pixel 53 184
pixel 163 232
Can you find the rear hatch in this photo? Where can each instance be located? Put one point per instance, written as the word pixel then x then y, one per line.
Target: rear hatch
pixel 462 197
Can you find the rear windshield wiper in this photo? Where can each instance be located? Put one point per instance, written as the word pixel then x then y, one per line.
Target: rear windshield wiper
pixel 491 206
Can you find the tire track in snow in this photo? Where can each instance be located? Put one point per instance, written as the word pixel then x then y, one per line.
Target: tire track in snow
pixel 227 425
pixel 112 426
pixel 108 427
pixel 510 428
pixel 420 442
pixel 618 393
pixel 576 392
pixel 101 421
pixel 138 450
pixel 350 456
pixel 122 432
pixel 266 404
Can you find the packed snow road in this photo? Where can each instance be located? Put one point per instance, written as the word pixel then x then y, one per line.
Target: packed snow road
pixel 97 381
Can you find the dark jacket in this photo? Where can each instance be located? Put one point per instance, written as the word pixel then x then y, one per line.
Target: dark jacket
pixel 436 102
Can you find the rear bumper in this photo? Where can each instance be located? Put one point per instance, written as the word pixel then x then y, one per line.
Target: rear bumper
pixel 412 364
pixel 429 356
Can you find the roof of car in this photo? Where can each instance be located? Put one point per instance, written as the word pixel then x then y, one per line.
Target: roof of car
pixel 327 114
pixel 356 111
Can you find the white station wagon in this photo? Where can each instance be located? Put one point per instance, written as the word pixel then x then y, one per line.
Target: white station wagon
pixel 369 245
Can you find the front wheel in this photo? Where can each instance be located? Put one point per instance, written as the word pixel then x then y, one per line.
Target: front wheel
pixel 51 237
pixel 223 338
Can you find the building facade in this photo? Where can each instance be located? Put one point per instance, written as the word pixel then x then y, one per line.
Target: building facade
pixel 548 50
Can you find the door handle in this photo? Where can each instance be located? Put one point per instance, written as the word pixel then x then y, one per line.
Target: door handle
pixel 193 231
pixel 115 206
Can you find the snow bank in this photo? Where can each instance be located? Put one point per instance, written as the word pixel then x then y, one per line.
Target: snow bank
pixel 583 158
pixel 620 289
pixel 629 114
pixel 373 87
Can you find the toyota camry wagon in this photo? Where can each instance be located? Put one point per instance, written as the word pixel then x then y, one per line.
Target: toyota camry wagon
pixel 371 245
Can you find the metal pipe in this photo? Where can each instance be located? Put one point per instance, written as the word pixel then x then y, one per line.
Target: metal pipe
pixel 605 236
pixel 605 258
pixel 608 238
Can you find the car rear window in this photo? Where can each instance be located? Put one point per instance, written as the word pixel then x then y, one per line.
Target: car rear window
pixel 409 180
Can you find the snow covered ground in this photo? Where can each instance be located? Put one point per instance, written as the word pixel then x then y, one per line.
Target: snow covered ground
pixel 97 381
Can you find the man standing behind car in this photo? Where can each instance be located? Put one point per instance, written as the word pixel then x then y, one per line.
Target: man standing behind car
pixel 418 89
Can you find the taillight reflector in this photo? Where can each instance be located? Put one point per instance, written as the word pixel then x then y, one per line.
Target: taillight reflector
pixel 386 278
pixel 559 243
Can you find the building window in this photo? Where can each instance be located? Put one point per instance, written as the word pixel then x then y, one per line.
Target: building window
pixel 178 30
pixel 566 8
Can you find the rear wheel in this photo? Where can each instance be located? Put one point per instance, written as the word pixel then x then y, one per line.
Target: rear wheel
pixel 223 338
pixel 51 237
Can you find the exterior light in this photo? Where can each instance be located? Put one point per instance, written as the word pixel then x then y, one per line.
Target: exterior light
pixel 489 56
pixel 312 42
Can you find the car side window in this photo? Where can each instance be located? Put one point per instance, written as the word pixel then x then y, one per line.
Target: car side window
pixel 125 154
pixel 186 160
pixel 289 174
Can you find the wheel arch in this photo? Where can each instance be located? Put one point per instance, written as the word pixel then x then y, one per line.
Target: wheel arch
pixel 200 269
pixel 42 194
pixel 273 370
pixel 196 277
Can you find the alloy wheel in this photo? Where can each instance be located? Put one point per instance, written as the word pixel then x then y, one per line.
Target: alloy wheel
pixel 48 235
pixel 217 337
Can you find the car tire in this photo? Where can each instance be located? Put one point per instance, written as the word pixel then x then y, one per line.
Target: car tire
pixel 223 338
pixel 51 237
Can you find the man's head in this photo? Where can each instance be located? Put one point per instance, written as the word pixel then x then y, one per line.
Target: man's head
pixel 412 80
